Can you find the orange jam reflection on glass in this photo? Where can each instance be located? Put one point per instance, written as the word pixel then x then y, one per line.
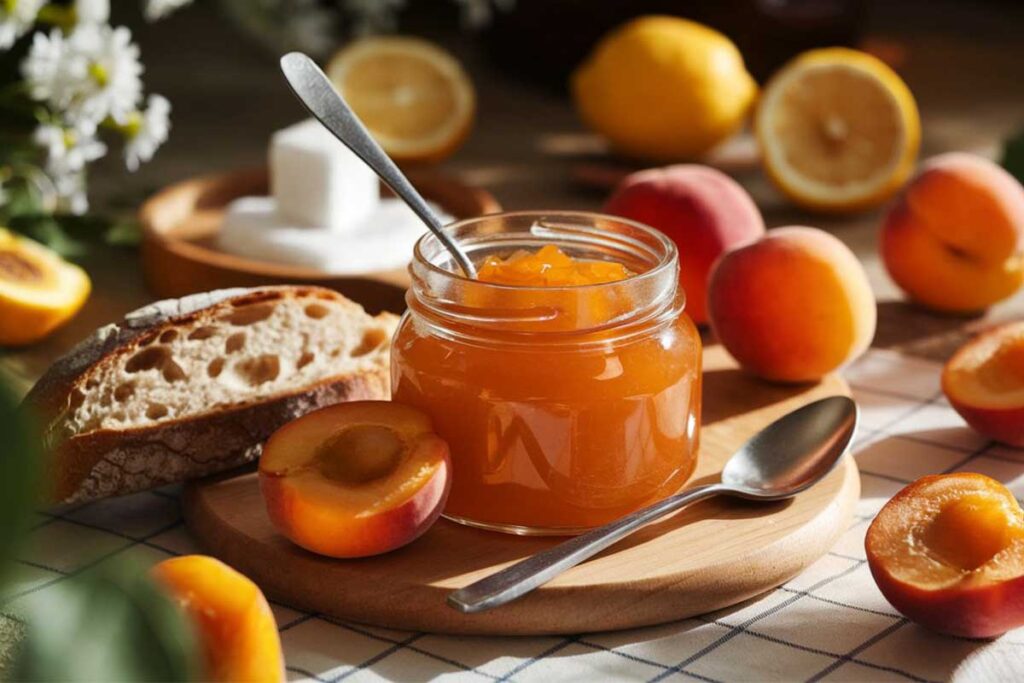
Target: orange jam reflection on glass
pixel 566 381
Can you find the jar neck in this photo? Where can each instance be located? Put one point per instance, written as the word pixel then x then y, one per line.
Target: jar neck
pixel 452 304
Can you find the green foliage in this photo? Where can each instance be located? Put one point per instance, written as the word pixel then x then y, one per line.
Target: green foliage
pixel 48 230
pixel 1013 155
pixel 72 236
pixel 19 478
pixel 110 623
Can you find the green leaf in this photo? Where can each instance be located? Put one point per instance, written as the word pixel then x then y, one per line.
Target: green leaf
pixel 109 623
pixel 21 199
pixel 1013 156
pixel 49 230
pixel 124 233
pixel 19 477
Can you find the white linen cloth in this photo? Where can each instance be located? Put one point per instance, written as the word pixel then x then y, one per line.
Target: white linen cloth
pixel 829 623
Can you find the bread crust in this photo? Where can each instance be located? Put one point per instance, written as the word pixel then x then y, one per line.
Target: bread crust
pixel 108 462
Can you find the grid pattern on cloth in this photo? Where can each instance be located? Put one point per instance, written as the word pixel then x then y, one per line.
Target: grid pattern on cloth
pixel 830 623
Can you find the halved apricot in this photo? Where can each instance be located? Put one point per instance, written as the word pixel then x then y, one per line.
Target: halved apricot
pixel 39 291
pixel 237 633
pixel 355 479
pixel 948 552
pixel 984 382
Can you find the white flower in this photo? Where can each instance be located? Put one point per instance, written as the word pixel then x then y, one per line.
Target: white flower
pixel 90 75
pixel 68 150
pixel 146 131
pixel 158 9
pixel 52 73
pixel 114 84
pixel 478 13
pixel 92 11
pixel 16 18
pixel 312 28
pixel 71 194
pixel 373 16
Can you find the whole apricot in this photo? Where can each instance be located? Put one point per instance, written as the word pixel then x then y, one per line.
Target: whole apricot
pixel 955 240
pixel 701 209
pixel 236 629
pixel 793 306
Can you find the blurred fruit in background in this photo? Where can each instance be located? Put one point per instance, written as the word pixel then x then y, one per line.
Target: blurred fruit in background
pixel 39 291
pixel 792 306
pixel 701 209
pixel 838 130
pixel 664 89
pixel 562 32
pixel 414 97
pixel 955 240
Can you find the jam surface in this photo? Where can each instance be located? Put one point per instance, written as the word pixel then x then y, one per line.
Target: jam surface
pixel 549 267
pixel 555 432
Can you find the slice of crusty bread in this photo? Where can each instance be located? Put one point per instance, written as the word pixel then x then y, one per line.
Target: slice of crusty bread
pixel 187 387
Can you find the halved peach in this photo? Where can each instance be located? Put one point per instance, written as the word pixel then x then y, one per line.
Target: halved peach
pixel 237 633
pixel 355 479
pixel 948 552
pixel 984 382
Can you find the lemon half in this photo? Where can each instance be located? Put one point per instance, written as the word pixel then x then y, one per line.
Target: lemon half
pixel 414 98
pixel 838 130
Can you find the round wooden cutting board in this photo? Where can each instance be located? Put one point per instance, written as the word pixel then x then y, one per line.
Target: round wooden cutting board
pixel 710 555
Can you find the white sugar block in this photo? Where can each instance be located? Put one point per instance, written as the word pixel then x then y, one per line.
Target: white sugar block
pixel 253 228
pixel 317 181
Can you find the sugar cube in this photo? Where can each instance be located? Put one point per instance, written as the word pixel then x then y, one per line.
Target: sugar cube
pixel 317 182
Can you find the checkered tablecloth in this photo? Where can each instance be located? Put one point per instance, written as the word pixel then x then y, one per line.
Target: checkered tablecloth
pixel 829 623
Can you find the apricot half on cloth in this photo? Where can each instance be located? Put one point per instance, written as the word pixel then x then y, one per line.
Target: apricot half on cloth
pixel 948 552
pixel 355 479
pixel 236 629
pixel 955 240
pixel 984 382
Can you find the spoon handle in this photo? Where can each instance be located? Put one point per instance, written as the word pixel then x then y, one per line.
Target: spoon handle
pixel 522 577
pixel 317 94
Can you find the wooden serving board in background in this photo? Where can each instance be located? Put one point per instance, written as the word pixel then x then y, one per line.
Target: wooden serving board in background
pixel 710 555
pixel 180 224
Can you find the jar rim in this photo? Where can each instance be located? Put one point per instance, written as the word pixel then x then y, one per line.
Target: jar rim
pixel 667 260
pixel 441 293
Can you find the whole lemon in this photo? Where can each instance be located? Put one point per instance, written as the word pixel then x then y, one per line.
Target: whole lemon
pixel 664 88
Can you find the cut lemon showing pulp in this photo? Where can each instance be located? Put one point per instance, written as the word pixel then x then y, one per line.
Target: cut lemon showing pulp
pixel 838 130
pixel 39 291
pixel 414 97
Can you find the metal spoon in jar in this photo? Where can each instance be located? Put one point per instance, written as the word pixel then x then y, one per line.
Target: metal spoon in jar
pixel 317 94
pixel 788 456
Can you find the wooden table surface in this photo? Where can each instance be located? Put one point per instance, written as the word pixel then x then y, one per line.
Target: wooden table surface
pixel 963 65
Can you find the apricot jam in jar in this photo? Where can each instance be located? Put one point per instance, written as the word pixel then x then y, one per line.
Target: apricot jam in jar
pixel 566 380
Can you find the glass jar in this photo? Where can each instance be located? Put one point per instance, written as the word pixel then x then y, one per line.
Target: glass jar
pixel 564 407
